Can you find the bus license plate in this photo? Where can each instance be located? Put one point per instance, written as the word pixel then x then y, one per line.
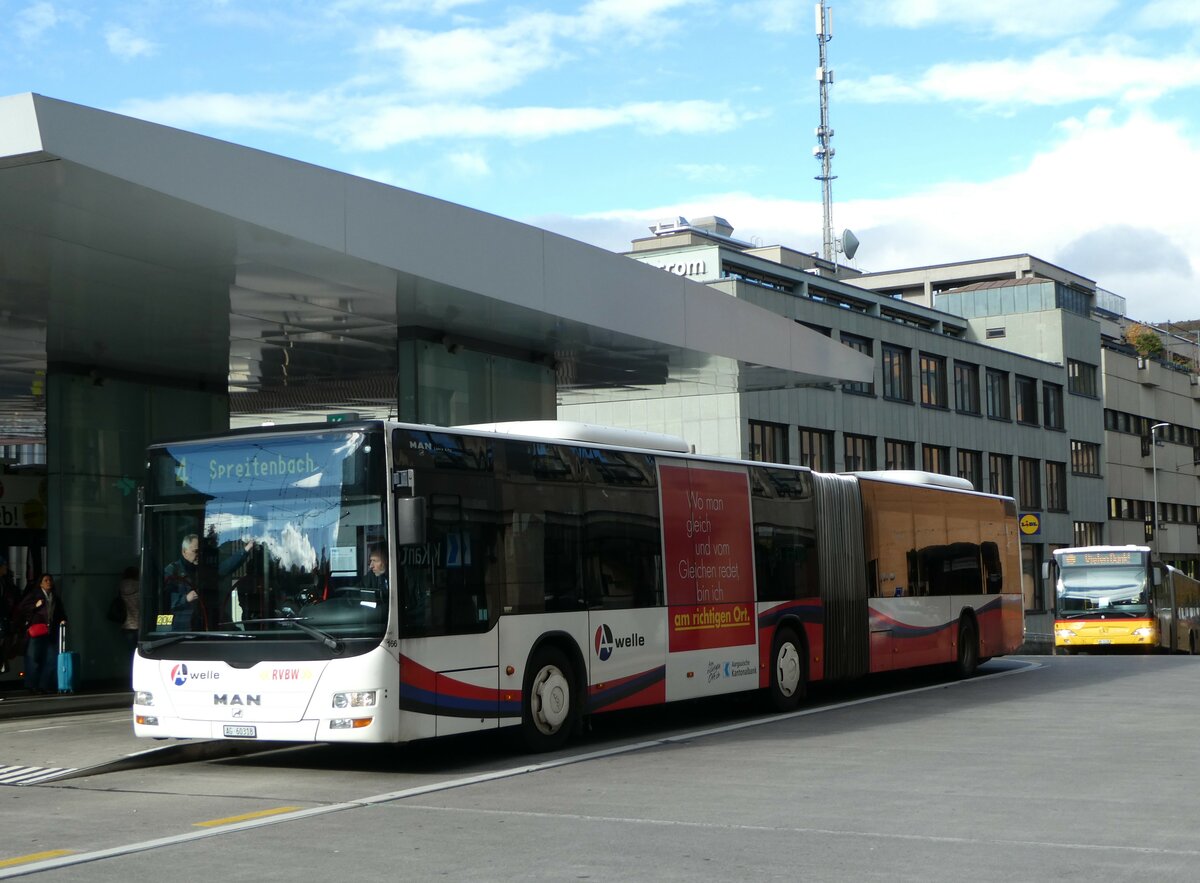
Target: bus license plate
pixel 1104 641
pixel 240 732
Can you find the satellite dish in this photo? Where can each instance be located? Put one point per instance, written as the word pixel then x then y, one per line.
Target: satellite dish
pixel 849 243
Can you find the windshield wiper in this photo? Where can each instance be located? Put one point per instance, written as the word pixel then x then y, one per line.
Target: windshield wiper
pixel 288 618
pixel 188 636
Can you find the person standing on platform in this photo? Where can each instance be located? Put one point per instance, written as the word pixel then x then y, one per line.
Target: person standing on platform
pixel 10 632
pixel 127 590
pixel 42 613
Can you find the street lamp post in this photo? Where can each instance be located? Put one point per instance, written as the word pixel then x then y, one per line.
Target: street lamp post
pixel 1154 468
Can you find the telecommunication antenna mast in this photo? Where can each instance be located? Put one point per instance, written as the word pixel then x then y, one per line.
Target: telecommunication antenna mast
pixel 824 150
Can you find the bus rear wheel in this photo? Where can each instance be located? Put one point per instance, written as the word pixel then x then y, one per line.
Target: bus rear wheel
pixel 787 687
pixel 549 702
pixel 968 650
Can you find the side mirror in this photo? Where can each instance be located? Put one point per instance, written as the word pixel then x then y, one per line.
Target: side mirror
pixel 410 521
pixel 1156 573
pixel 1045 570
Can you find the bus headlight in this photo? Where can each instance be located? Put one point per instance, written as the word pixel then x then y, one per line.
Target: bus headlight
pixel 143 697
pixel 360 699
pixel 1144 632
pixel 1064 634
pixel 349 723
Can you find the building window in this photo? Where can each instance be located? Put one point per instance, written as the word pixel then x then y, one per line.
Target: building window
pixel 1085 458
pixel 966 388
pixel 1081 378
pixel 997 395
pixel 935 458
pixel 1030 483
pixel 1027 409
pixel 1052 406
pixel 897 454
pixel 1000 474
pixel 1056 486
pixel 897 373
pixel 865 346
pixel 933 381
pixel 768 442
pixel 859 453
pixel 1088 533
pixel 970 467
pixel 816 449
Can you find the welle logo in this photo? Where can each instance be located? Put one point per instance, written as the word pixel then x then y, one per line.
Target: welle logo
pixel 605 643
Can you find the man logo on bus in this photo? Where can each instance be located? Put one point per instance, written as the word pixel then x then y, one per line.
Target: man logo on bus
pixel 179 675
pixel 604 642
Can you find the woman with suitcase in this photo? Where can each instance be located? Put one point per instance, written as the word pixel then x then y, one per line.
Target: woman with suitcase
pixel 43 613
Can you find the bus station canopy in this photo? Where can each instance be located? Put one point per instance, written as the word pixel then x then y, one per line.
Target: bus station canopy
pixel 134 250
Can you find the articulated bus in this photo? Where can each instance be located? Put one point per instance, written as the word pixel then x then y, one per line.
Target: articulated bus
pixel 1118 596
pixel 383 582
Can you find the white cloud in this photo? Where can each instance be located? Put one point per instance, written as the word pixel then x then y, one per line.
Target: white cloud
pixel 470 60
pixel 125 44
pixel 387 126
pixel 1106 181
pixel 36 19
pixel 1032 19
pixel 1058 76
pixel 261 111
pixel 783 16
pixel 1169 13
pixel 469 163
pixel 377 124
pixel 489 60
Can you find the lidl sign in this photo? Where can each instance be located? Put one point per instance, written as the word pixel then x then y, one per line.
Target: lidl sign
pixel 1031 525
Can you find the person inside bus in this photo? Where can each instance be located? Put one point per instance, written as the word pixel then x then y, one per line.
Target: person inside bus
pixel 185 598
pixel 376 576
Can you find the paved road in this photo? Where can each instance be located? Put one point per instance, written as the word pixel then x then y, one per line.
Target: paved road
pixel 1044 768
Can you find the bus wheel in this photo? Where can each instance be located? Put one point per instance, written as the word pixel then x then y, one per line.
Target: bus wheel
pixel 968 649
pixel 549 702
pixel 787 671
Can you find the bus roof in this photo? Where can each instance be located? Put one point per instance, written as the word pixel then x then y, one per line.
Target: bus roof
pixel 917 476
pixel 570 430
pixel 1078 550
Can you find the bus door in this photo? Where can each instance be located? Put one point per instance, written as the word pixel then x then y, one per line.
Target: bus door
pixel 449 585
pixel 622 560
pixel 708 544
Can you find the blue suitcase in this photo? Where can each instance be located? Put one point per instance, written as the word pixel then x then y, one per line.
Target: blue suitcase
pixel 68 664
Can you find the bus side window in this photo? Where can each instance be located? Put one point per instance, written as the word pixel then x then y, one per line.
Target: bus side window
pixel 994 578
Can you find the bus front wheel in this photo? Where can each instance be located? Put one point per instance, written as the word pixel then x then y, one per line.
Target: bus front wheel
pixel 548 701
pixel 787 671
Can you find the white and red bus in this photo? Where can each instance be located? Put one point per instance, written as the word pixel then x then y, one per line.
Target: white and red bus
pixel 383 582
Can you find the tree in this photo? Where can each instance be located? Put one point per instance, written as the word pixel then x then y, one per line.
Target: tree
pixel 1145 340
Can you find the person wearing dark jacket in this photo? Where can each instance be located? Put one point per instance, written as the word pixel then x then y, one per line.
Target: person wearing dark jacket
pixel 42 613
pixel 10 638
pixel 185 598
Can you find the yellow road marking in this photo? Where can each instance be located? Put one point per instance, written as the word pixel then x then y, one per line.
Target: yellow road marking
pixel 244 817
pixel 33 857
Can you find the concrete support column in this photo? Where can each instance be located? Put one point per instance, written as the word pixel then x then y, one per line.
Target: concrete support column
pixel 97 430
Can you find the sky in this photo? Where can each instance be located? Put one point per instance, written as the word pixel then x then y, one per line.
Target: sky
pixel 963 129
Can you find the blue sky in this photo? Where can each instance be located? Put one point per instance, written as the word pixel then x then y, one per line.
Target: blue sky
pixel 1069 129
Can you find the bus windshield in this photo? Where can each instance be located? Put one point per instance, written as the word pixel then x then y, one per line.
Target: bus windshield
pixel 265 548
pixel 1091 590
